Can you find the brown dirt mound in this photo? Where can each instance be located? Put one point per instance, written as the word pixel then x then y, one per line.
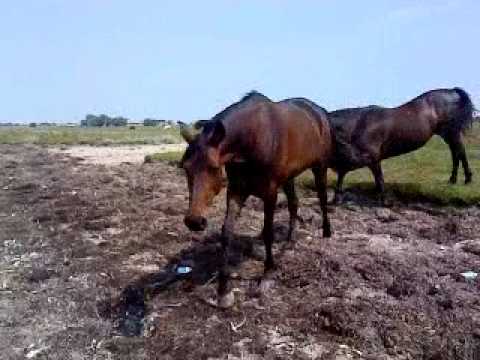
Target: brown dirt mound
pixel 88 258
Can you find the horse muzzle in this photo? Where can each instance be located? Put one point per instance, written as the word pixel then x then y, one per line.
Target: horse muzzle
pixel 195 223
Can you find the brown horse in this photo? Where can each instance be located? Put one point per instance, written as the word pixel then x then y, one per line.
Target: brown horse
pixel 262 145
pixel 365 136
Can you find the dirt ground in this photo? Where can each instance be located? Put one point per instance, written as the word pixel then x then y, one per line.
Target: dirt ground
pixel 88 255
pixel 115 155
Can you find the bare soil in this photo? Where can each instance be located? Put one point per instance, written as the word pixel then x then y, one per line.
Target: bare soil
pixel 88 257
pixel 115 155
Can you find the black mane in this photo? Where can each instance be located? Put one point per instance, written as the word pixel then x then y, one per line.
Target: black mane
pixel 247 98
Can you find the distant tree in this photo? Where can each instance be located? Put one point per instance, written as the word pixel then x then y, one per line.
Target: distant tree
pixel 103 120
pixel 32 125
pixel 90 120
pixel 149 122
pixel 119 121
pixel 154 122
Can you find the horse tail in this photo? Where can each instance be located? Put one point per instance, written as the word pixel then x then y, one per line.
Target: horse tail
pixel 463 116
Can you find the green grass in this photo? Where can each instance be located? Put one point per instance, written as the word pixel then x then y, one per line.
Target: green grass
pixel 63 135
pixel 420 175
pixel 170 157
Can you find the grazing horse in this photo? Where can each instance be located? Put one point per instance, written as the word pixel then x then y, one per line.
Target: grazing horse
pixel 261 145
pixel 365 136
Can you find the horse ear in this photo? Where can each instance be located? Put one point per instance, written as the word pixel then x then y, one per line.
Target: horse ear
pixel 186 133
pixel 218 134
pixel 200 124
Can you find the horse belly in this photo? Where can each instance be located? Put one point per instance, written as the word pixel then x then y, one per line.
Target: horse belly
pixel 402 147
pixel 303 154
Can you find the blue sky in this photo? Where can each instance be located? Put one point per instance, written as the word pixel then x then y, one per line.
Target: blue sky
pixel 187 60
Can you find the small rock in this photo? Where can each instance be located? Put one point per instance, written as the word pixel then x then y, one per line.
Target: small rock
pixel 352 207
pixel 310 201
pixel 39 274
pixel 34 255
pixel 303 233
pixel 8 243
pixel 212 321
pixel 385 215
pixel 36 352
pixel 380 242
pixel 96 240
pixel 314 351
pixel 241 343
pixel 96 225
pixel 470 246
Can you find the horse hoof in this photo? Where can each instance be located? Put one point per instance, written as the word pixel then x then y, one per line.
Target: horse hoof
pixel 337 199
pixel 327 233
pixel 226 301
pixel 258 253
pixel 452 181
pixel 468 179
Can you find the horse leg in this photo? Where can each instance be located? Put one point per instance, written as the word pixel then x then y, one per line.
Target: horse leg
pixel 320 174
pixel 457 149
pixel 455 160
pixel 289 189
pixel 337 198
pixel 267 233
pixel 270 202
pixel 466 168
pixel 463 158
pixel 376 169
pixel 234 206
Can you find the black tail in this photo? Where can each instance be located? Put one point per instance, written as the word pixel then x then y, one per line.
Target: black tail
pixel 463 118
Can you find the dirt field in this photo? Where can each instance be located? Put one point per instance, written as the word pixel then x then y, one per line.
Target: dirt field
pixel 89 252
pixel 115 155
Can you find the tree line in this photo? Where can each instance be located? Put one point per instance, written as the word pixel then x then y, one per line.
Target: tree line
pixel 103 121
pixel 107 121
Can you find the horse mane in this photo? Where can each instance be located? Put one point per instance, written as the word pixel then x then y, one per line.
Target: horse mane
pixel 247 98
pixel 354 110
pixel 461 119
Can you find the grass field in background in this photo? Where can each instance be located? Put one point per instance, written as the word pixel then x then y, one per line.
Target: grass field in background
pixel 421 175
pixel 63 135
pixel 171 157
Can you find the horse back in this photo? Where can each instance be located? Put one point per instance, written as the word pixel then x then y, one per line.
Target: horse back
pixel 303 135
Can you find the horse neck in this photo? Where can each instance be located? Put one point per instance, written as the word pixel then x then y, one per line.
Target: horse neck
pixel 241 137
pixel 420 107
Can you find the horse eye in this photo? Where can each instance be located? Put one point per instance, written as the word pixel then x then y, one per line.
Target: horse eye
pixel 213 167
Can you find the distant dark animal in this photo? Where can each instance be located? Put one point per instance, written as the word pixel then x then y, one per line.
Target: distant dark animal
pixel 262 145
pixel 365 136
